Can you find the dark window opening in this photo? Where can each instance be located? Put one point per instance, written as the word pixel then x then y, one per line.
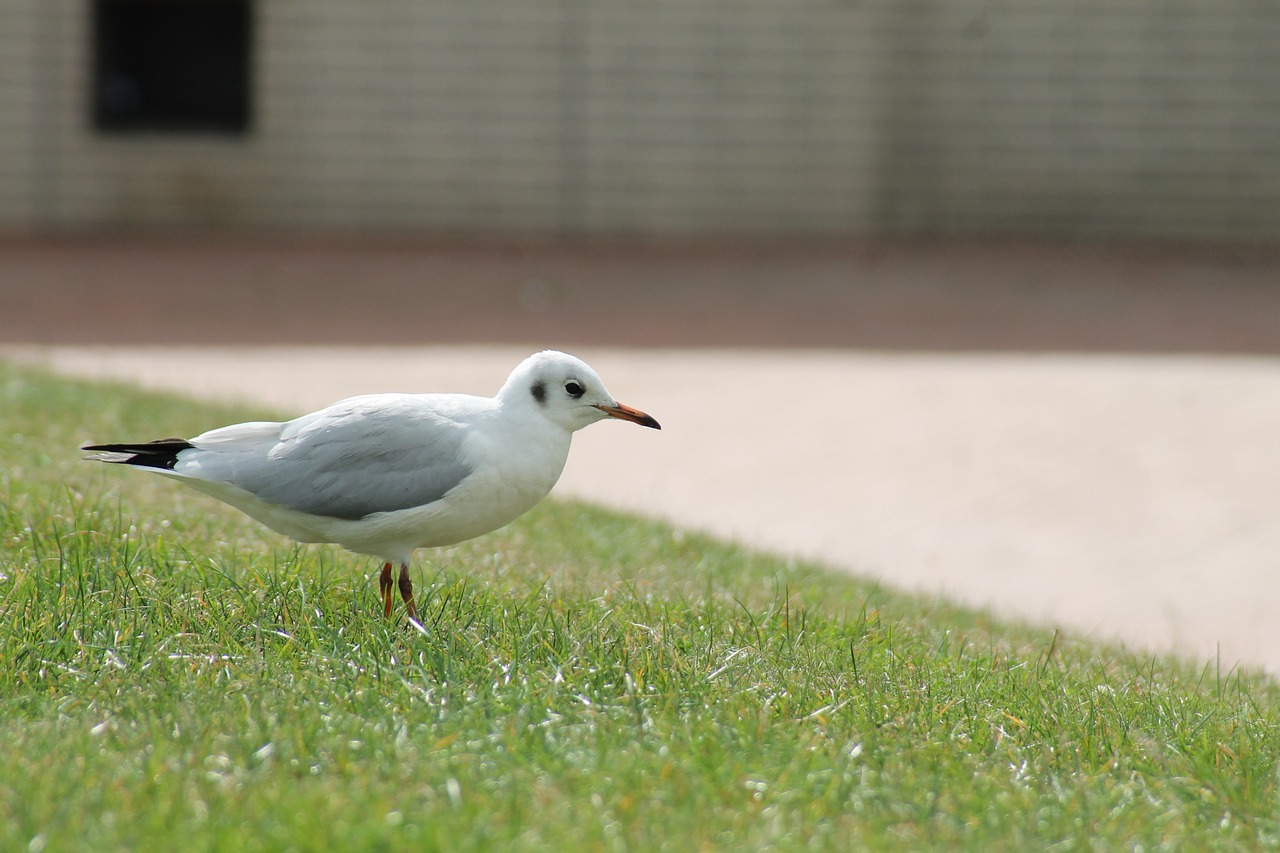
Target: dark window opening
pixel 171 65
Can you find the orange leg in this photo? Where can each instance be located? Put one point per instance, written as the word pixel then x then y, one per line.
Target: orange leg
pixel 384 586
pixel 406 590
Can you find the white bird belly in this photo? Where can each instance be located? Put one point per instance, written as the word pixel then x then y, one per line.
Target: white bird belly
pixel 484 502
pixel 493 495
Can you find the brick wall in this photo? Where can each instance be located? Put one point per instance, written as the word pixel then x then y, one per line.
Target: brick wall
pixel 1073 117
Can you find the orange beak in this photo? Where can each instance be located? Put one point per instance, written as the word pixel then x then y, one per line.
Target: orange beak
pixel 626 413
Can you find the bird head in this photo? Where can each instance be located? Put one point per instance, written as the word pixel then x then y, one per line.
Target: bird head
pixel 568 392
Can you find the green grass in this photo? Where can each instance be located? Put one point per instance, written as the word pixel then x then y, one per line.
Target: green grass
pixel 174 677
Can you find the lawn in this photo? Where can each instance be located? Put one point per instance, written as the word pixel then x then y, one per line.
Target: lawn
pixel 173 676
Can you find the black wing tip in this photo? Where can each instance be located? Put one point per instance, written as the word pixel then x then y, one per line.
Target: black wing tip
pixel 161 453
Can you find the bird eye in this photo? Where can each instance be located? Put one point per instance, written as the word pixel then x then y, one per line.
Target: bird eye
pixel 574 389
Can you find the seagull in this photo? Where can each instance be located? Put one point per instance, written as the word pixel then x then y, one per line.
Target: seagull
pixel 386 474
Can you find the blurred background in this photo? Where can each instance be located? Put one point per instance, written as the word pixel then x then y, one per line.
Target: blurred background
pixel 1133 119
pixel 974 296
pixel 920 175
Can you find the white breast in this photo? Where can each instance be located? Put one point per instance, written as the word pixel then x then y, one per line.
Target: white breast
pixel 509 478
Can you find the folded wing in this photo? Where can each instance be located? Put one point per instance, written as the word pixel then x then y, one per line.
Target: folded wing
pixel 359 457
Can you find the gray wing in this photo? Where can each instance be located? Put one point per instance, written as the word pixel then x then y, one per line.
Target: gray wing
pixel 361 456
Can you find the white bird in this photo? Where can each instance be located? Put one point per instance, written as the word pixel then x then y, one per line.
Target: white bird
pixel 386 474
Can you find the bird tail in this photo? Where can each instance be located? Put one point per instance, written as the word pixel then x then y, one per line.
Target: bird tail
pixel 162 453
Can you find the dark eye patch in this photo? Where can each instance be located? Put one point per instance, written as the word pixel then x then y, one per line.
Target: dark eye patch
pixel 574 389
